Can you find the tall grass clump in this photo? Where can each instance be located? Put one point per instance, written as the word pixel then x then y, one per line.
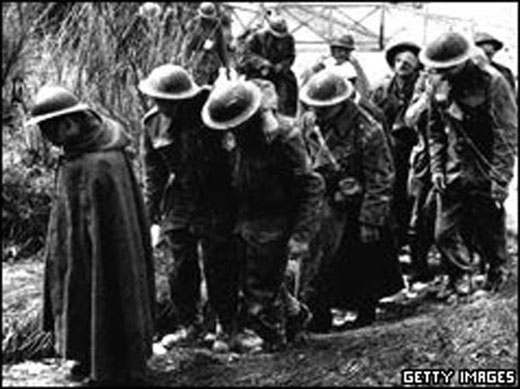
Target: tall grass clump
pixel 100 51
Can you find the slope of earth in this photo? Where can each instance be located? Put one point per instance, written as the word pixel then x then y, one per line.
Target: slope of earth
pixel 478 333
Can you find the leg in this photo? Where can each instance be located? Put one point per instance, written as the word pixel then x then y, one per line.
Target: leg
pixel 221 269
pixel 490 238
pixel 449 236
pixel 185 276
pixel 264 268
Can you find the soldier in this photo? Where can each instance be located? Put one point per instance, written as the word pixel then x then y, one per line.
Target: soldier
pixel 99 289
pixel 188 191
pixel 278 199
pixel 269 54
pixel 393 96
pixel 354 258
pixel 342 61
pixel 204 49
pixel 473 135
pixel 491 46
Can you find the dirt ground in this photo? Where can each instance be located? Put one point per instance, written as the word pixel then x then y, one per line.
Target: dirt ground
pixel 479 332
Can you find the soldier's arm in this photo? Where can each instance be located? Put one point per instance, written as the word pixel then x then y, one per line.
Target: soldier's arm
pixel 290 55
pixel 253 53
pixel 155 176
pixel 309 187
pixel 504 112
pixel 378 170
pixel 437 140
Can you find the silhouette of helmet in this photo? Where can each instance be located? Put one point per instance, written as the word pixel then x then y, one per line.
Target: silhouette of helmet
pixel 170 82
pixel 483 37
pixel 345 41
pixel 447 50
pixel 231 104
pixel 326 88
pixel 207 10
pixel 53 101
pixel 399 47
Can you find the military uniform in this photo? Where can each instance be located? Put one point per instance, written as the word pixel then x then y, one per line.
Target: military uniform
pixel 394 99
pixel 264 49
pixel 204 50
pixel 473 143
pixel 359 178
pixel 187 188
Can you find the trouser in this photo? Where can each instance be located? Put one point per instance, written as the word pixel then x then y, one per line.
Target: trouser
pixel 422 227
pixel 263 267
pixel 219 263
pixel 402 205
pixel 470 219
pixel 287 90
pixel 185 275
pixel 222 276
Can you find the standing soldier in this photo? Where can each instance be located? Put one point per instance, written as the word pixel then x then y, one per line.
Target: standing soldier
pixel 187 190
pixel 99 289
pixel 393 97
pixel 345 63
pixel 472 148
pixel 355 261
pixel 278 199
pixel 491 46
pixel 269 54
pixel 204 49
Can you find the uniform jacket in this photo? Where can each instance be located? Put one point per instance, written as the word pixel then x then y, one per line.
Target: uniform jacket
pixel 394 101
pixel 262 49
pixel 474 134
pixel 99 290
pixel 187 180
pixel 360 150
pixel 279 195
pixel 506 72
pixel 204 51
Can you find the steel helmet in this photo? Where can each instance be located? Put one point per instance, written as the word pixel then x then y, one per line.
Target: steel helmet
pixel 170 82
pixel 399 47
pixel 207 10
pixel 345 41
pixel 231 104
pixel 52 101
pixel 447 50
pixel 326 88
pixel 277 25
pixel 484 37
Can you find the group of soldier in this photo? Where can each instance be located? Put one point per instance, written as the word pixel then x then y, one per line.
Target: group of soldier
pixel 249 176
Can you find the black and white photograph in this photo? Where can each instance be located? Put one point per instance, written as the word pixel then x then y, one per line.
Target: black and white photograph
pixel 280 194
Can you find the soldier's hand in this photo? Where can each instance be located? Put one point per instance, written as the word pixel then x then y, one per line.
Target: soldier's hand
pixel 439 182
pixel 499 192
pixel 155 233
pixel 278 68
pixel 297 248
pixel 370 233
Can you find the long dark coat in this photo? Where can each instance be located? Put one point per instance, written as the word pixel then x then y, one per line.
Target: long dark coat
pixel 99 290
pixel 345 270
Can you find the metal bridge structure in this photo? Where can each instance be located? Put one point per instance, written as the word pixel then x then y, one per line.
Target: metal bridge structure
pixel 372 24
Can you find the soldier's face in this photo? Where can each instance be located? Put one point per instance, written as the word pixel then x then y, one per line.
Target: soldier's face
pixel 405 63
pixel 327 114
pixel 340 54
pixel 60 130
pixel 168 108
pixel 489 49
